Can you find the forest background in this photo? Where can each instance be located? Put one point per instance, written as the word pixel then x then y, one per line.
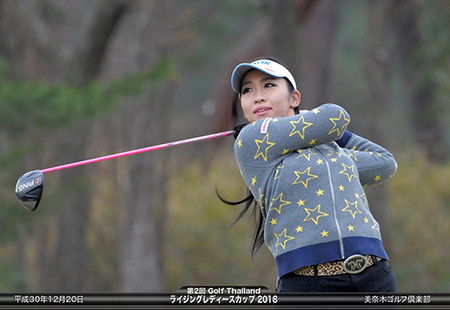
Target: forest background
pixel 85 78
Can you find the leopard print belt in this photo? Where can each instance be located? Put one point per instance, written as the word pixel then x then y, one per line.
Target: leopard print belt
pixel 352 265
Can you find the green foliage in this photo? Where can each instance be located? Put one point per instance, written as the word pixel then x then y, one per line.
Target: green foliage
pixel 420 225
pixel 11 278
pixel 37 105
pixel 433 57
pixel 435 50
pixel 32 108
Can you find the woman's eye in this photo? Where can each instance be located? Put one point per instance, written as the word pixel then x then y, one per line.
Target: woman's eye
pixel 246 90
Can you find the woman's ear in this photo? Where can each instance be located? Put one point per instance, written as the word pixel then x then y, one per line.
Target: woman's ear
pixel 296 98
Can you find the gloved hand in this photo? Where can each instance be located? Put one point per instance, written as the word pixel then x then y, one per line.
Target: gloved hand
pixel 238 129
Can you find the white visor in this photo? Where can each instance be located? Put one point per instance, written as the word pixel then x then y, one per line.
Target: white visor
pixel 267 66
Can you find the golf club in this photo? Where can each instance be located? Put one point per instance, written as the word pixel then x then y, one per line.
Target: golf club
pixel 30 186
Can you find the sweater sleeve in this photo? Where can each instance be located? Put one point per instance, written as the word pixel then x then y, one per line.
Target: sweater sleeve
pixel 266 141
pixel 374 163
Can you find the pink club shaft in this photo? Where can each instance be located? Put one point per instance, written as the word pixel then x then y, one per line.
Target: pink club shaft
pixel 141 150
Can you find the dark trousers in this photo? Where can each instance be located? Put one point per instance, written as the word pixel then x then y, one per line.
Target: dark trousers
pixel 376 278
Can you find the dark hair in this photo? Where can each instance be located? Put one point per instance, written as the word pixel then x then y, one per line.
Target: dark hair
pixel 250 201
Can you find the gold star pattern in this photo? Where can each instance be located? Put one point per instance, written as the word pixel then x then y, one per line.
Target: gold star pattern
pixel 253 181
pixel 312 142
pixel 273 222
pixel 375 225
pixel 282 241
pixel 316 111
pixel 239 143
pixel 349 171
pixel 353 155
pixel 299 127
pixel 317 211
pixel 261 196
pixel 319 192
pixel 366 220
pixel 353 205
pixel 285 151
pixel 302 175
pixel 331 152
pixel 339 124
pixel 324 233
pixel 281 203
pixel 351 228
pixel 277 172
pixel 301 203
pixel 267 145
pixel 364 198
pixel 341 188
pixel 391 175
pixel 307 156
pixel 319 161
pixel 377 178
pixel 299 229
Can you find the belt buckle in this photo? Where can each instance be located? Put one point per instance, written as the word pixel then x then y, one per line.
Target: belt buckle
pixel 355 264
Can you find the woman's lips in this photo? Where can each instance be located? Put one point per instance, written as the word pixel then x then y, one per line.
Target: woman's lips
pixel 261 110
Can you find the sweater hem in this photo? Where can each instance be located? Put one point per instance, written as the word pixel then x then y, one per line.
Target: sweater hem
pixel 328 252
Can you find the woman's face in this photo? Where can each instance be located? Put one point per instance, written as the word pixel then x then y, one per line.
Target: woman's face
pixel 264 96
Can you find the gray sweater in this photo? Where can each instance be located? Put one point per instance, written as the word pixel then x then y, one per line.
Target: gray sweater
pixel 307 173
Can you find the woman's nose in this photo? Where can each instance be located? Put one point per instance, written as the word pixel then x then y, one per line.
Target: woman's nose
pixel 259 97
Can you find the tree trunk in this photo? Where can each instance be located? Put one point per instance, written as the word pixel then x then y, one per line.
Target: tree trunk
pixel 318 38
pixel 142 238
pixel 143 121
pixel 376 69
pixel 427 124
pixel 284 33
pixel 71 260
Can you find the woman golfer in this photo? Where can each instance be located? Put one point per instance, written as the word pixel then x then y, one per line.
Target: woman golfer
pixel 307 172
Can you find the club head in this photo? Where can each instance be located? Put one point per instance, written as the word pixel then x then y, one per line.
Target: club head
pixel 29 189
